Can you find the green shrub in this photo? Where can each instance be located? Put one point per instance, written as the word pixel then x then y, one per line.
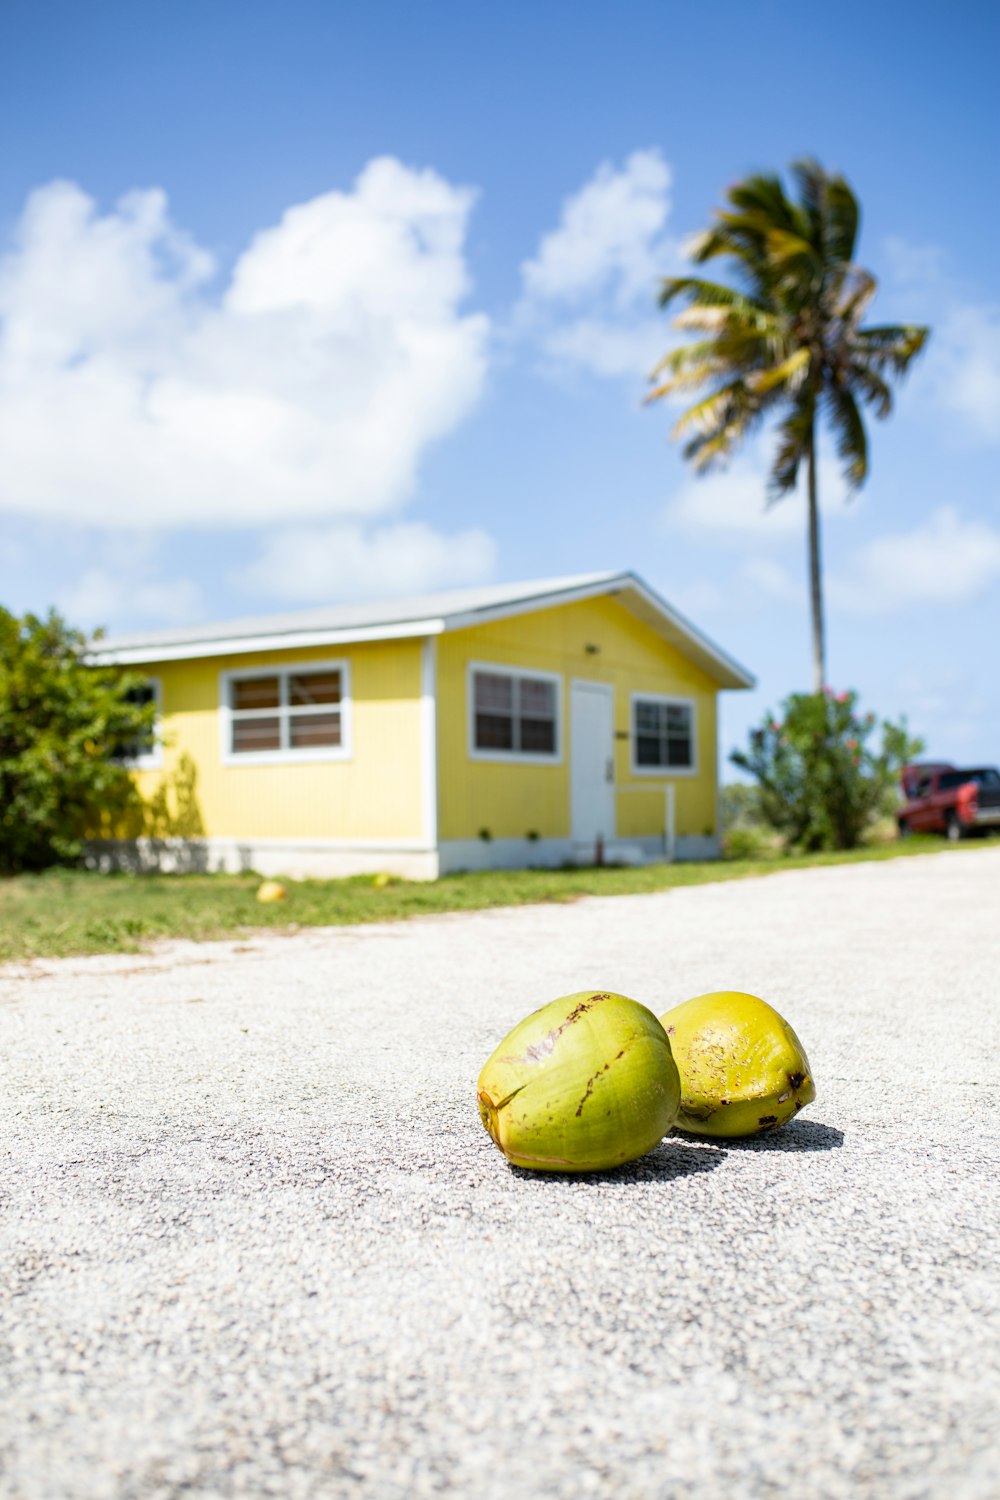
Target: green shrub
pixel 65 729
pixel 745 842
pixel 825 774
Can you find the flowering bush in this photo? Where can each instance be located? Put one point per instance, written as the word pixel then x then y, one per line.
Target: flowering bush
pixel 824 772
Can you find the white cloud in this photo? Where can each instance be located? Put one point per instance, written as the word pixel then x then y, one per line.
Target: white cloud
pixel 765 576
pixel 960 372
pixel 947 707
pixel 696 597
pixel 310 386
pixel 120 577
pixel 590 290
pixel 730 505
pixel 943 561
pixel 99 596
pixel 343 562
pixel 967 368
pixel 607 348
pixel 916 267
pixel 607 236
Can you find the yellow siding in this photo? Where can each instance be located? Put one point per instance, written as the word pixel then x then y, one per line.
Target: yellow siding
pixel 374 795
pixel 513 800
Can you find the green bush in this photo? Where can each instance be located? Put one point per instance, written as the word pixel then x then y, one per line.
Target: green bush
pixel 745 834
pixel 746 842
pixel 825 774
pixel 65 729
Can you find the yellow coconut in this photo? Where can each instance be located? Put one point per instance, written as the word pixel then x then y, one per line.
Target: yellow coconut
pixel 585 1083
pixel 271 890
pixel 742 1067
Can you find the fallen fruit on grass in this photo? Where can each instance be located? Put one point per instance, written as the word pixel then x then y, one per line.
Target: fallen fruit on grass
pixel 742 1067
pixel 271 890
pixel 585 1083
pixel 381 880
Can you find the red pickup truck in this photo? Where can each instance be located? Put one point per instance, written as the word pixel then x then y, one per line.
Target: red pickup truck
pixel 941 798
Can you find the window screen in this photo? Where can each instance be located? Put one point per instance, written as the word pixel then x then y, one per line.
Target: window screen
pixel 663 734
pixel 514 714
pixel 143 748
pixel 298 710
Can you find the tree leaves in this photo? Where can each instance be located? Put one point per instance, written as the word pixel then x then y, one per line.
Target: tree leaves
pixel 62 725
pixel 797 328
pixel 825 772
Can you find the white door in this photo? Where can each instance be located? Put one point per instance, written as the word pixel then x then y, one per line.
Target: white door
pixel 592 762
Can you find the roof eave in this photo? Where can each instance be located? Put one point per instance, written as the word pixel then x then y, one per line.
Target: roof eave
pixel 291 640
pixel 722 668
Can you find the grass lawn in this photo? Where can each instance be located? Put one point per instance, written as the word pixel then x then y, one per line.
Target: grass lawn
pixel 71 911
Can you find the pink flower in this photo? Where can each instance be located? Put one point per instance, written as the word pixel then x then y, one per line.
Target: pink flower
pixel 852 744
pixel 775 728
pixel 842 697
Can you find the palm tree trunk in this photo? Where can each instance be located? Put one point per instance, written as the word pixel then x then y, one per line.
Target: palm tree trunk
pixel 815 576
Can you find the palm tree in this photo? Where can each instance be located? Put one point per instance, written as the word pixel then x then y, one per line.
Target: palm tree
pixel 785 339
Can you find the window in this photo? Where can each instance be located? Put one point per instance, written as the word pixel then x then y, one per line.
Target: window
pixel 513 714
pixel 987 778
pixel 292 713
pixel 662 735
pixel 144 754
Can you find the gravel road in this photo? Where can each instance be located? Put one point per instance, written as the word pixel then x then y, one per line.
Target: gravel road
pixel 256 1242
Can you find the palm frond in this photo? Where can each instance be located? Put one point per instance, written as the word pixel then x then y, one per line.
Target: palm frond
pixel 763 197
pixel 716 446
pixel 893 345
pixel 685 357
pixel 726 237
pixel 783 246
pixel 852 440
pixel 810 180
pixel 842 219
pixel 731 349
pixel 721 409
pixel 788 374
pixel 857 291
pixel 869 385
pixel 707 294
pixel 795 434
pixel 723 320
pixel 702 452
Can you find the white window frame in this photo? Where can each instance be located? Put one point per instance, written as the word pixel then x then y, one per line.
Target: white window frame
pixel 151 760
pixel 670 700
pixel 512 757
pixel 288 756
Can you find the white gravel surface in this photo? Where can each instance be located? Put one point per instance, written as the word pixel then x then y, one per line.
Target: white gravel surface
pixel 255 1240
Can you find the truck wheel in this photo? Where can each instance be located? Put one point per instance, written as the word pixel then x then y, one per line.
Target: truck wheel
pixel 952 829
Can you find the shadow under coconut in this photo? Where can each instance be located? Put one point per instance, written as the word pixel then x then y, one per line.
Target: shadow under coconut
pixel 797 1135
pixel 667 1162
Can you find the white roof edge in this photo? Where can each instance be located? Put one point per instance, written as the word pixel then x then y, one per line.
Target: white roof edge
pixel 242 644
pixel 719 664
pixel 737 676
pixel 728 663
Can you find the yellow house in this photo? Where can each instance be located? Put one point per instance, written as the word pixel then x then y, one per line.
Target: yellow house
pixel 529 724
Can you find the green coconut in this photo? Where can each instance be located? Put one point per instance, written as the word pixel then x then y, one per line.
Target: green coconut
pixel 742 1067
pixel 585 1083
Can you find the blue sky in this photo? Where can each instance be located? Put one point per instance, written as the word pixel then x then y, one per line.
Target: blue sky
pixel 313 301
